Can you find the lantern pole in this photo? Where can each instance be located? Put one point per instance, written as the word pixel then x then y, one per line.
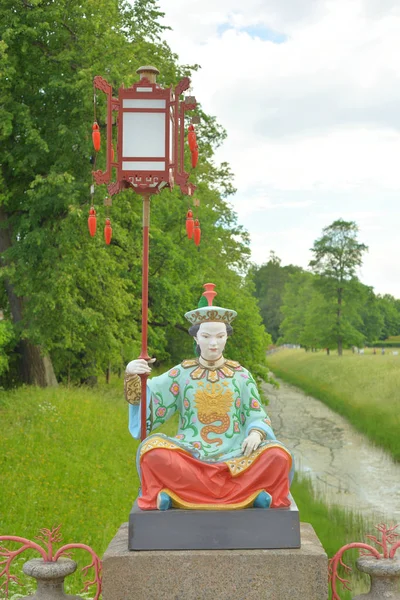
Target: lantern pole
pixel 147 175
pixel 145 311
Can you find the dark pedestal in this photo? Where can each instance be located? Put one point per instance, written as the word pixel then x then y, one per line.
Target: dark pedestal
pixel 178 529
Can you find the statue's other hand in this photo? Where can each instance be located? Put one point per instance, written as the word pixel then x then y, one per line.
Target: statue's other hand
pixel 251 443
pixel 139 366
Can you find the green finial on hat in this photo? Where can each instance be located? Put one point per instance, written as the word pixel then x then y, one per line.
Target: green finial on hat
pixel 206 312
pixel 202 302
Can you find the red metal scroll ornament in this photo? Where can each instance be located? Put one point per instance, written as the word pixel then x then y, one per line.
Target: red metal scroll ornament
pixel 96 136
pixel 189 224
pixel 108 232
pixel 92 221
pixel 388 544
pixel 48 537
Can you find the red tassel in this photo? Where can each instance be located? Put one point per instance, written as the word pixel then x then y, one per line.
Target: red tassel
pixel 112 154
pixel 189 224
pixel 197 232
pixel 195 156
pixel 191 138
pixel 108 232
pixel 96 136
pixel 92 221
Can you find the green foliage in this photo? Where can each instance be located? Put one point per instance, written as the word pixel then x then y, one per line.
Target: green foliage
pixel 269 281
pixel 316 310
pixel 362 388
pixel 334 527
pixel 371 314
pixel 385 344
pixel 389 309
pixel 337 254
pixel 82 300
pixel 7 340
pixel 297 297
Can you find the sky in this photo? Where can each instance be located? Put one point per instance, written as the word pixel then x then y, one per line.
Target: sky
pixel 309 94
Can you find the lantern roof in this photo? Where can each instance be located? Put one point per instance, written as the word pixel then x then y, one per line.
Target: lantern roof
pixel 148 69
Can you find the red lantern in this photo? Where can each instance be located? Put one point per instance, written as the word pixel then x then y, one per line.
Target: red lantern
pixel 195 156
pixel 197 232
pixel 108 232
pixel 191 138
pixel 96 136
pixel 189 224
pixel 92 221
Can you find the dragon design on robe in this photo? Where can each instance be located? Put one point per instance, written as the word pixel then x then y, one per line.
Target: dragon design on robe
pixel 213 402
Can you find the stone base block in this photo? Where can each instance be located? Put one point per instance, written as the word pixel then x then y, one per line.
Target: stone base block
pixel 291 574
pixel 214 529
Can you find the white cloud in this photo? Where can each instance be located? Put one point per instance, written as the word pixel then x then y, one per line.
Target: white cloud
pixel 313 123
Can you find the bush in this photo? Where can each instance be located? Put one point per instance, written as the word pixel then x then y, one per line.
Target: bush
pixel 384 344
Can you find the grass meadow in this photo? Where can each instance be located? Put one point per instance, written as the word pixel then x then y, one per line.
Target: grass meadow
pixel 66 457
pixel 364 388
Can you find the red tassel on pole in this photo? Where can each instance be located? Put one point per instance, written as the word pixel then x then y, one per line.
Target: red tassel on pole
pixel 96 136
pixel 195 156
pixel 191 138
pixel 92 221
pixel 196 232
pixel 189 224
pixel 108 232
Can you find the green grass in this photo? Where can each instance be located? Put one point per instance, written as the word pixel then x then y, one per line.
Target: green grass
pixel 363 388
pixel 66 457
pixel 335 527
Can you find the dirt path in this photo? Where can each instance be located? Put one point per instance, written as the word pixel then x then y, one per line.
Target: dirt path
pixel 344 466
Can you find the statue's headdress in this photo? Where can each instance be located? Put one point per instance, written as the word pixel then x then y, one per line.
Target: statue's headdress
pixel 207 313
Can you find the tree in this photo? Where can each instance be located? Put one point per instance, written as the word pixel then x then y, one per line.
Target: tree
pixel 389 310
pixel 371 315
pixel 269 282
pixel 75 303
pixel 337 254
pixel 297 296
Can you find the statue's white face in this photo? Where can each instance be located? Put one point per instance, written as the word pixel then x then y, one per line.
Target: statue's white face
pixel 211 338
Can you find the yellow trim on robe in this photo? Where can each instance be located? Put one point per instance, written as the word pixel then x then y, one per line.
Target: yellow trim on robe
pixel 156 441
pixel 227 369
pixel 240 464
pixel 179 503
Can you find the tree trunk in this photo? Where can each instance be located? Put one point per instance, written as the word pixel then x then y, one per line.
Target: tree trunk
pixel 34 368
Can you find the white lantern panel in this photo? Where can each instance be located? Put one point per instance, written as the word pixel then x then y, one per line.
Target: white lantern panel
pixel 139 103
pixel 143 135
pixel 142 165
pixel 144 89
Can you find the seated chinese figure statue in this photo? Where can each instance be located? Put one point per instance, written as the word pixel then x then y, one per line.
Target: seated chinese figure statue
pixel 225 455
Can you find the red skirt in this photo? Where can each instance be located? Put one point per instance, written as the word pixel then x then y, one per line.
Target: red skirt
pixel 193 484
